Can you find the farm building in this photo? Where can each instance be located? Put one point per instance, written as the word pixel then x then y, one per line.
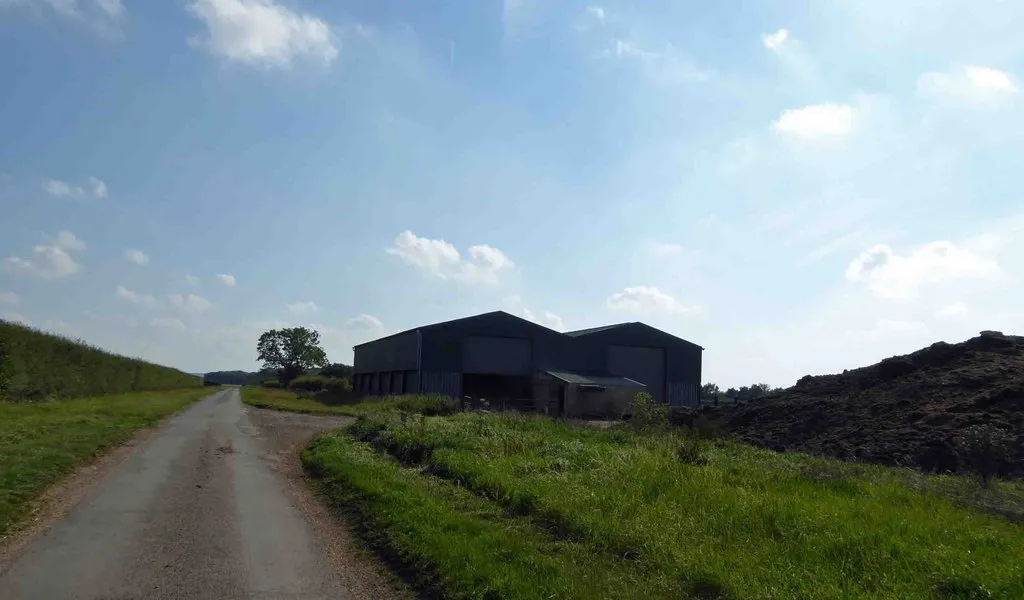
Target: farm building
pixel 500 356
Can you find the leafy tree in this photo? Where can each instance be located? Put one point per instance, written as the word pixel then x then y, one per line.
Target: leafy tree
pixel 291 352
pixel 732 394
pixel 708 391
pixel 336 370
pixel 761 389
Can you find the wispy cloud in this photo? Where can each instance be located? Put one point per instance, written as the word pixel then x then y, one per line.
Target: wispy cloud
pixel 191 279
pixel 648 300
pixel 263 33
pixel 96 188
pixel 170 323
pixel 144 300
pixel 302 308
pixel 775 41
pixel 190 303
pixel 363 322
pixel 136 256
pixel 970 84
pixel 52 260
pixel 895 276
pixel 9 298
pixel 228 280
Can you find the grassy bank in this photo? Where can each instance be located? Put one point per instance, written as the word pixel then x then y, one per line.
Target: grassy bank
pixel 279 399
pixel 40 442
pixel 36 365
pixel 699 518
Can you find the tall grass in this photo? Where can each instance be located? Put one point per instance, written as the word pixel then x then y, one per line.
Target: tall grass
pixel 42 441
pixel 36 365
pixel 427 404
pixel 733 521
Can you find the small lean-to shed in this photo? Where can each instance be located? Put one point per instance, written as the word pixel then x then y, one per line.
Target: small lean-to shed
pixel 569 394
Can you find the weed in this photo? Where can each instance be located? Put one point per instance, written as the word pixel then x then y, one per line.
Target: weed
pixel 647 412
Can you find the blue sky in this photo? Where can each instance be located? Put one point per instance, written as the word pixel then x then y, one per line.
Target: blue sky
pixel 799 187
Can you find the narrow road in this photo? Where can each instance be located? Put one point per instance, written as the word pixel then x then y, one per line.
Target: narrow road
pixel 196 513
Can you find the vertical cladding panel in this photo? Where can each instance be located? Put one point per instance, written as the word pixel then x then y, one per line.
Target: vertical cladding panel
pixel 496 355
pixel 397 379
pixel 409 385
pixel 640 363
pixel 442 382
pixel 681 393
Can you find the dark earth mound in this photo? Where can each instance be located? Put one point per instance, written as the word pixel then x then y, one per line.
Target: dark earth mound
pixel 906 410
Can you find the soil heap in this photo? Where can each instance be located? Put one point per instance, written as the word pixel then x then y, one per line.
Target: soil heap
pixel 905 410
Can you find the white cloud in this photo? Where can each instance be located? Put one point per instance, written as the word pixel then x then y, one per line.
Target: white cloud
pixel 99 188
pixel 228 280
pixel 666 67
pixel 892 276
pixel 646 300
pixel 363 322
pixel 302 308
pixel 136 298
pixel 19 318
pixel 596 12
pixel 441 259
pixel 262 32
pixel 67 240
pixel 114 9
pixel 820 121
pixel 63 189
pixel 190 303
pixel 9 298
pixel 775 41
pixel 969 84
pixel 167 323
pixel 547 319
pixel 49 261
pixel 76 9
pixel 191 279
pixel 136 256
pixel 950 311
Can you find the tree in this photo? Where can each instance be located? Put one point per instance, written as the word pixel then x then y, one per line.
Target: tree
pixel 709 392
pixel 337 370
pixel 732 394
pixel 761 389
pixel 290 352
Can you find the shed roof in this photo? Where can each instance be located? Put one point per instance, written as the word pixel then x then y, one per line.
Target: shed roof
pixel 632 325
pixel 500 314
pixel 601 379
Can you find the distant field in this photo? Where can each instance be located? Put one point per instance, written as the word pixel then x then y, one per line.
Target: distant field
pixel 479 506
pixel 289 401
pixel 36 366
pixel 40 442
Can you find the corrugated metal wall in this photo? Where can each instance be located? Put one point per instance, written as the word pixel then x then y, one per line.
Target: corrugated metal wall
pixel 388 354
pixel 640 363
pixel 681 393
pixel 439 382
pixel 496 355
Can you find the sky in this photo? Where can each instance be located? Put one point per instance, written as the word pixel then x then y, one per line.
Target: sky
pixel 799 187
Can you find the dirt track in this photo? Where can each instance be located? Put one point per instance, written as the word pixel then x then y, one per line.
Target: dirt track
pixel 211 505
pixel 905 410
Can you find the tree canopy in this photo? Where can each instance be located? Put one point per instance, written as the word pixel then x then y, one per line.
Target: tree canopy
pixel 291 352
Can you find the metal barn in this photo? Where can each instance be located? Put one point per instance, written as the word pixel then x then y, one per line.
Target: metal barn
pixel 498 355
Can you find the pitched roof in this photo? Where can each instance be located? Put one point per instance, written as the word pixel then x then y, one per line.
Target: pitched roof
pixel 580 332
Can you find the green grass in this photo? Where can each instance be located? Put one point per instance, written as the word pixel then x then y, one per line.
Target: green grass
pixel 454 544
pixel 278 399
pixel 40 442
pixel 36 365
pixel 713 517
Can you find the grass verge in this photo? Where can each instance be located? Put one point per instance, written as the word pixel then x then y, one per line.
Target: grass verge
pixel 451 543
pixel 716 519
pixel 278 399
pixel 42 442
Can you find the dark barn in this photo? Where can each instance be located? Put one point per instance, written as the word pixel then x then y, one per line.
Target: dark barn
pixel 500 356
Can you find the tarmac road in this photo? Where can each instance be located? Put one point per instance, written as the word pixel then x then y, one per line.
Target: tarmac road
pixel 195 513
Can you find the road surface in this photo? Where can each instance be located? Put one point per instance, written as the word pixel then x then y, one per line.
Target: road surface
pixel 197 512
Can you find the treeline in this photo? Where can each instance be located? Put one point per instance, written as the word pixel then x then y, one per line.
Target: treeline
pixel 38 366
pixel 333 371
pixel 710 393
